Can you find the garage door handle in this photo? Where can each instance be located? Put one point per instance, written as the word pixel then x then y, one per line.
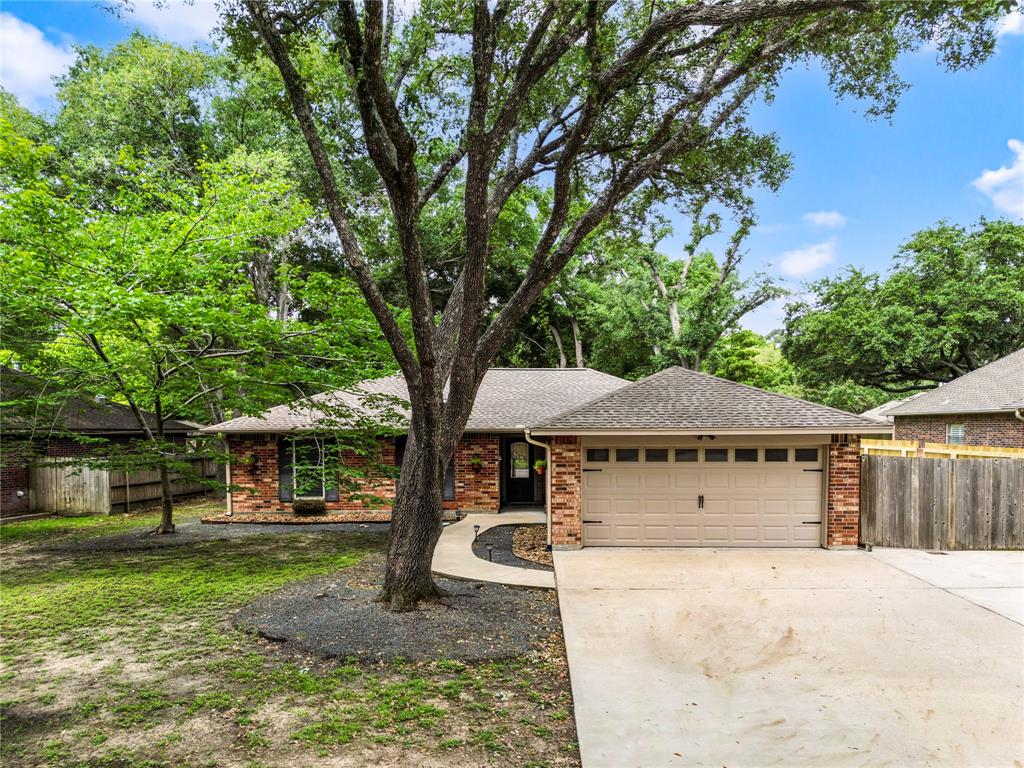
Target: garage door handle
pixel 594 521
pixel 810 522
pixel 700 501
pixel 814 470
pixel 591 470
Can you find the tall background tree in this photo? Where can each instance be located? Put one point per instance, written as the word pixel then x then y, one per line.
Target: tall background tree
pixel 466 114
pixel 953 302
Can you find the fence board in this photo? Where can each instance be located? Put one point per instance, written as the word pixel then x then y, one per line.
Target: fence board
pixel 940 503
pixel 64 489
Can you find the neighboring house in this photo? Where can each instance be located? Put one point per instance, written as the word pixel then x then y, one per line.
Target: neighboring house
pixel 983 407
pixel 677 459
pixel 882 413
pixel 35 425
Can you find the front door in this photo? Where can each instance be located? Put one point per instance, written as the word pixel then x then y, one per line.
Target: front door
pixel 518 471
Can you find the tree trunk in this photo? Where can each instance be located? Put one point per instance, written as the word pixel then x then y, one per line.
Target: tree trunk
pixel 415 529
pixel 166 502
pixel 558 343
pixel 578 342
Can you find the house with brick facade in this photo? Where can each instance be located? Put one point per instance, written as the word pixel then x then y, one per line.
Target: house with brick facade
pixel 679 458
pixel 37 426
pixel 983 407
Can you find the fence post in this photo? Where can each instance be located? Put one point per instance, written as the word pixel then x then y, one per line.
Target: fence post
pixel 951 507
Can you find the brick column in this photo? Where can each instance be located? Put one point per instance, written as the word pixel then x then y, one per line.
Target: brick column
pixel 477 473
pixel 843 491
pixel 566 492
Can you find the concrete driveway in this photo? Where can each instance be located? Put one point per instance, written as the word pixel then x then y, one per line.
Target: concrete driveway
pixel 796 658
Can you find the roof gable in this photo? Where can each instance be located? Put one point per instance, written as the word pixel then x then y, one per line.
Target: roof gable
pixel 998 386
pixel 678 399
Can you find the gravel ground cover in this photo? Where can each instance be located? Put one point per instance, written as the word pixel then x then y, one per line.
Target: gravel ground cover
pixel 501 539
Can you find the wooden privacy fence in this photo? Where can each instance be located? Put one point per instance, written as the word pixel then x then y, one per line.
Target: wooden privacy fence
pixel 923 503
pixel 64 489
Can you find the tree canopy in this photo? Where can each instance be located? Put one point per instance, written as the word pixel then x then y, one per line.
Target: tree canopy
pixel 953 302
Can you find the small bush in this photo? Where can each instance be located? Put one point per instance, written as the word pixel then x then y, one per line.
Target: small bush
pixel 307 507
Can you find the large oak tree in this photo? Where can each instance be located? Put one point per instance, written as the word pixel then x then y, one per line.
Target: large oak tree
pixel 469 105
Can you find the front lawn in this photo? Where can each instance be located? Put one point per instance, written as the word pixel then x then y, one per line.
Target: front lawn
pixel 128 659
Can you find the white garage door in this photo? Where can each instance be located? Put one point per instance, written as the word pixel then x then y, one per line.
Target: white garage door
pixel 702 497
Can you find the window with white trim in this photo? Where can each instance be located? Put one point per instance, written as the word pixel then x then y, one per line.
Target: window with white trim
pixel 955 434
pixel 307 469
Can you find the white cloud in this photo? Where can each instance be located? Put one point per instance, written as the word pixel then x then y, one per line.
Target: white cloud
pixel 29 62
pixel 830 219
pixel 1005 186
pixel 1011 24
pixel 176 21
pixel 803 261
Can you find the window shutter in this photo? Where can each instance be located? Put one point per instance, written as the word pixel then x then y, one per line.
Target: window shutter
pixel 284 469
pixel 449 482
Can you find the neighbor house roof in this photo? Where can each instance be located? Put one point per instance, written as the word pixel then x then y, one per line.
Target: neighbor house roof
pixel 681 400
pixel 882 413
pixel 998 386
pixel 31 404
pixel 508 398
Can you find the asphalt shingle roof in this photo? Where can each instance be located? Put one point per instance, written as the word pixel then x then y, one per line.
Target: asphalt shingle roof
pixel 681 399
pixel 30 405
pixel 998 386
pixel 507 399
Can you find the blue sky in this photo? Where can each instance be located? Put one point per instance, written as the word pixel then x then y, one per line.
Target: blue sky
pixel 859 187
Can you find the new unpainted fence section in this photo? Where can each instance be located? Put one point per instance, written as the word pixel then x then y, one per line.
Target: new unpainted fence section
pixel 927 450
pixel 59 488
pixel 930 503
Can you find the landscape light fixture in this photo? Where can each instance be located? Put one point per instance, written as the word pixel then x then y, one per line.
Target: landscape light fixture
pixel 476 532
pixel 490 552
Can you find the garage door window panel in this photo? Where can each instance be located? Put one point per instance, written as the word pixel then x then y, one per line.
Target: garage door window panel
pixel 627 455
pixel 776 454
pixel 655 455
pixel 746 455
pixel 686 455
pixel 598 455
pixel 807 454
pixel 716 455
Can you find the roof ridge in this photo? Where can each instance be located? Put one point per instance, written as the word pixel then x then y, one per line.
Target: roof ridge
pixel 599 398
pixel 775 394
pixel 691 372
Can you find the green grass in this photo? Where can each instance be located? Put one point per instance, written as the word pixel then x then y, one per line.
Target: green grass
pixel 159 655
pixel 48 529
pixel 104 591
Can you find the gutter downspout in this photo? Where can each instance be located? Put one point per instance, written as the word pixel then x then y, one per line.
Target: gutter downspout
pixel 547 480
pixel 1019 413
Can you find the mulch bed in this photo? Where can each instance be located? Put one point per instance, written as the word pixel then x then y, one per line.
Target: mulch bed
pixel 501 538
pixel 529 542
pixel 337 617
pixel 283 518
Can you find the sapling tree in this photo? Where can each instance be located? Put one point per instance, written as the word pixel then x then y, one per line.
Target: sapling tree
pixel 468 106
pixel 148 298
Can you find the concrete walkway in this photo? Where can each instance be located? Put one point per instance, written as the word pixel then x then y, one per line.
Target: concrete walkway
pixel 787 658
pixel 454 556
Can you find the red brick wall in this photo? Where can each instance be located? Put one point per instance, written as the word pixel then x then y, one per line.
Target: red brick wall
pixel 14 459
pixel 477 486
pixel 998 429
pixel 566 492
pixel 475 490
pixel 843 491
